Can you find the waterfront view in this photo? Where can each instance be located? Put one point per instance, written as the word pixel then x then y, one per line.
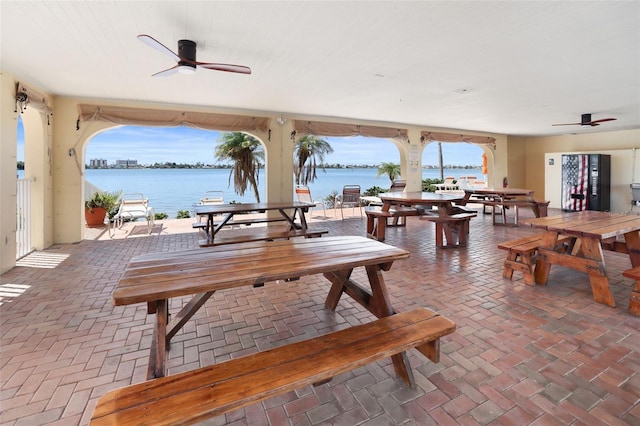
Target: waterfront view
pixel 171 190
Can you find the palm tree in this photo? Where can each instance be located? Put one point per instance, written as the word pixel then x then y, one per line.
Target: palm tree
pixel 309 152
pixel 245 152
pixel 390 169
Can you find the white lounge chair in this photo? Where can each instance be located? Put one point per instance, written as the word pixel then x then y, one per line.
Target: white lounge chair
pixel 209 198
pixel 132 207
pixel 212 197
pixel 447 185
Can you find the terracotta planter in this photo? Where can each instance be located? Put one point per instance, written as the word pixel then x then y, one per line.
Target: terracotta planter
pixel 95 216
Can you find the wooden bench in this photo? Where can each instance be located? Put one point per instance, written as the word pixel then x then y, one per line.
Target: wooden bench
pixel 634 298
pixel 453 228
pixel 377 219
pixel 485 201
pixel 521 255
pixel 193 396
pixel 246 222
pixel 264 233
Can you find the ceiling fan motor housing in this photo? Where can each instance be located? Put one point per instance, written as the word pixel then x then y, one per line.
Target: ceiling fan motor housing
pixel 187 53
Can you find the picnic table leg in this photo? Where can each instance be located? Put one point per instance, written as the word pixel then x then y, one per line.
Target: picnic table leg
pixel 381 307
pixel 592 249
pixel 338 286
pixel 159 341
pixel 542 269
pixel 632 240
pixel 377 302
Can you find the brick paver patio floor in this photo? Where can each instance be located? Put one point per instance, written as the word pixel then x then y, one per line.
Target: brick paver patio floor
pixel 544 355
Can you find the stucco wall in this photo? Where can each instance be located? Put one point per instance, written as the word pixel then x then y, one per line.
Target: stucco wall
pixel 8 179
pixel 604 142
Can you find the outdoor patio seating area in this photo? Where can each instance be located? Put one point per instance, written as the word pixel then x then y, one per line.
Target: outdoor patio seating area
pixel 520 355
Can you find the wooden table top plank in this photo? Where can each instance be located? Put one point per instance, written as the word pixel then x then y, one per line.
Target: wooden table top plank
pixel 232 277
pixel 546 221
pixel 249 207
pixel 590 224
pixel 578 227
pixel 138 264
pixel 251 266
pixel 264 259
pixel 418 197
pixel 616 228
pixel 512 192
pixel 188 269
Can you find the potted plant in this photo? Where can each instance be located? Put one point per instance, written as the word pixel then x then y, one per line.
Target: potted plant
pixel 97 207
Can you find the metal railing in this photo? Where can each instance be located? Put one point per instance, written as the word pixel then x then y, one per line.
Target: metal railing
pixel 23 231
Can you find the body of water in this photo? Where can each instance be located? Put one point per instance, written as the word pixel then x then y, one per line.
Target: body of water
pixel 170 190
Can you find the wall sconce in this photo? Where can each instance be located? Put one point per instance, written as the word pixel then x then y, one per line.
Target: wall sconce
pixel 22 100
pixel 423 140
pixel 281 120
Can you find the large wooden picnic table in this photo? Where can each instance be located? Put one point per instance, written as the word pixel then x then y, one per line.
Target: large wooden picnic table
pixel 503 198
pixel 448 221
pixel 592 232
pixel 442 201
pixel 156 278
pixel 292 213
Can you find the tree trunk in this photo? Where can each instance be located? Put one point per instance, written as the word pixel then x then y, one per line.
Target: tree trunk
pixel 254 185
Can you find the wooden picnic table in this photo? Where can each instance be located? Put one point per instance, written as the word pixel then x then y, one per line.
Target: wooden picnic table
pixel 291 213
pixel 501 193
pixel 503 198
pixel 450 220
pixel 155 278
pixel 443 202
pixel 592 232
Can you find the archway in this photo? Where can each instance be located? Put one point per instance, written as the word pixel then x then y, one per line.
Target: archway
pixel 354 160
pixel 171 166
pixel 37 172
pixel 459 159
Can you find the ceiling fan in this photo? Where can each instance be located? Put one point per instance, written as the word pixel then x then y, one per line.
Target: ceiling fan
pixel 186 58
pixel 586 121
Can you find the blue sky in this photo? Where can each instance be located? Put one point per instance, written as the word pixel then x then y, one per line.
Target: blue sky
pixel 149 145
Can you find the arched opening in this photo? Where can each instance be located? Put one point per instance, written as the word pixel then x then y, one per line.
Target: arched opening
pixel 173 167
pixel 34 195
pixel 354 160
pixel 461 160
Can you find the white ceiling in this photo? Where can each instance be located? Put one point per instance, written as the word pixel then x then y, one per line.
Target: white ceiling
pixel 511 67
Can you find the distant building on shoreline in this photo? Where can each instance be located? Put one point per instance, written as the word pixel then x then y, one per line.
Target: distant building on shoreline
pixel 98 163
pixel 126 164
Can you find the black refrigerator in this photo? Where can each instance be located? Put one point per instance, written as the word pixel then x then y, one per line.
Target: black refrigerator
pixel 586 182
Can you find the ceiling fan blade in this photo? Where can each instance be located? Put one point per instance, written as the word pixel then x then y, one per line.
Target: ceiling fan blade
pixel 166 72
pixel 586 121
pixel 241 69
pixel 602 120
pixel 150 41
pixel 568 124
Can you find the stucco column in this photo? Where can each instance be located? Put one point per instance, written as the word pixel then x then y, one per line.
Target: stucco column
pixel 279 162
pixel 411 161
pixel 68 174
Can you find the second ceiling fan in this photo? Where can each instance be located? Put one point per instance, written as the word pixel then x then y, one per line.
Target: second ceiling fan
pixel 586 121
pixel 186 58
